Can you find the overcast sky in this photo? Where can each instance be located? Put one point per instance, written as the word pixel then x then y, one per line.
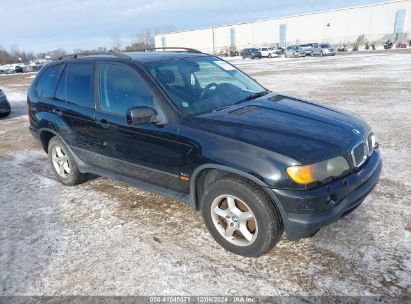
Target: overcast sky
pixel 40 25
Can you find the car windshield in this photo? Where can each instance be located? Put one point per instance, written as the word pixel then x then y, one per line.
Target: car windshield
pixel 325 46
pixel 202 84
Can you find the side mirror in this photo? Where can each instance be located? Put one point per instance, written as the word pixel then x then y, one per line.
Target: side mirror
pixel 141 115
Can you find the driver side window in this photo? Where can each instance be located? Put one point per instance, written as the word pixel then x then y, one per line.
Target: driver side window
pixel 121 88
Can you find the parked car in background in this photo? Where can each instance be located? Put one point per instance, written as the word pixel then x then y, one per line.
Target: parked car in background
pixel 250 53
pixel 8 69
pixel 294 51
pixel 19 68
pixel 308 48
pixel 323 49
pixel 279 51
pixel 268 52
pixel 401 45
pixel 5 108
pixel 343 48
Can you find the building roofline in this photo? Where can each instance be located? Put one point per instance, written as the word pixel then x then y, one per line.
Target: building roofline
pixel 284 17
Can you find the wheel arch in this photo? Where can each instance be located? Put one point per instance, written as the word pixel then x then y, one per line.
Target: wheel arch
pixel 212 172
pixel 46 135
pixel 198 182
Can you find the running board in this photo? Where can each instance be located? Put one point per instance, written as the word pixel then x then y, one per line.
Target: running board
pixel 174 195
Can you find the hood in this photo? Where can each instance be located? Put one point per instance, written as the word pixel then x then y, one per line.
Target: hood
pixel 300 129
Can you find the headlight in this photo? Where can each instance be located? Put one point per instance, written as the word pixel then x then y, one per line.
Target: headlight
pixel 319 171
pixel 373 141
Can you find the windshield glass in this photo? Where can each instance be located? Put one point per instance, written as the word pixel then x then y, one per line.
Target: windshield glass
pixel 201 84
pixel 325 46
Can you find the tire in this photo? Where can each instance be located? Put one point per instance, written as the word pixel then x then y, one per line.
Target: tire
pixel 243 56
pixel 60 158
pixel 322 54
pixel 251 211
pixel 270 55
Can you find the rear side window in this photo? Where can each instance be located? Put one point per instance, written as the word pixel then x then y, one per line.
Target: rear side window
pixel 45 84
pixel 121 88
pixel 75 85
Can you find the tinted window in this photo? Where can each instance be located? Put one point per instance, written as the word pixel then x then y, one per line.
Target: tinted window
pixel 121 88
pixel 45 84
pixel 61 87
pixel 75 85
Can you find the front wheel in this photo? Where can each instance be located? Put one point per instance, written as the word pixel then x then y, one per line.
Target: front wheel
pixel 62 163
pixel 241 217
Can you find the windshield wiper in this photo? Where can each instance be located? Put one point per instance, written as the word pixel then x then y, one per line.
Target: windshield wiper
pixel 247 98
pixel 253 96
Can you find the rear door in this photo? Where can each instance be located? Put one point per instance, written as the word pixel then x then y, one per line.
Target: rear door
pixel 148 152
pixel 75 95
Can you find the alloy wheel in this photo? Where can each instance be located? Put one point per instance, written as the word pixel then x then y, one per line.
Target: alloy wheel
pixel 60 162
pixel 234 220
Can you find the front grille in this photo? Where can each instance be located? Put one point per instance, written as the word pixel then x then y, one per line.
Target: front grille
pixel 359 154
pixel 362 151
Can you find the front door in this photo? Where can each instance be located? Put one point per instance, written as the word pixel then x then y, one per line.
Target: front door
pixel 148 152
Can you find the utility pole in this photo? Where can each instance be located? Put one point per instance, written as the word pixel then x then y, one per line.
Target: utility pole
pixel 212 32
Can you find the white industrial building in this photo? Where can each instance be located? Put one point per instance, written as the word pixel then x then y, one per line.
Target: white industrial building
pixel 377 22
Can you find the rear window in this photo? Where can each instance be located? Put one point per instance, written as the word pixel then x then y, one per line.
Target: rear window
pixel 75 86
pixel 47 80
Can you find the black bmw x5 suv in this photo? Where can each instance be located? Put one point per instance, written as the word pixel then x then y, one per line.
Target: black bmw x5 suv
pixel 195 128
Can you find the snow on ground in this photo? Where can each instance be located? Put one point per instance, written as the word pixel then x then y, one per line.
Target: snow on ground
pixel 106 238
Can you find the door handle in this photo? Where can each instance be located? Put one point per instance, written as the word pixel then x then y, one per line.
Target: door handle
pixel 104 123
pixel 58 112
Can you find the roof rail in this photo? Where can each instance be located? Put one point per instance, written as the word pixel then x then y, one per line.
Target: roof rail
pixel 183 49
pixel 73 56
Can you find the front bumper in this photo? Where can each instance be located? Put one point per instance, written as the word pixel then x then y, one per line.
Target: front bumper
pixel 306 211
pixel 329 52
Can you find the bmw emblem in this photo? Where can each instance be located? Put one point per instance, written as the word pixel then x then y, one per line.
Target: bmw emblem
pixel 356 132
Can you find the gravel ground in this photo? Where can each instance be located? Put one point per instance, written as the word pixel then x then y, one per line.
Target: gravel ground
pixel 106 238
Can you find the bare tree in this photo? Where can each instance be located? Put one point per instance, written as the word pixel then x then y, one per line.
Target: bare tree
pixel 57 53
pixel 116 42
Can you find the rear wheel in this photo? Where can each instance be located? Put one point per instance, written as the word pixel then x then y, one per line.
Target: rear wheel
pixel 322 54
pixel 240 216
pixel 62 163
